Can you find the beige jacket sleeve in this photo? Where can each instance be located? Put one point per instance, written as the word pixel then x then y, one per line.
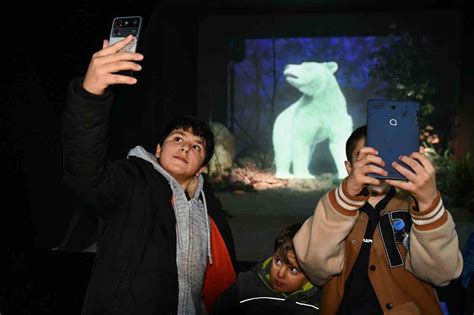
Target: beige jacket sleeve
pixel 319 244
pixel 434 254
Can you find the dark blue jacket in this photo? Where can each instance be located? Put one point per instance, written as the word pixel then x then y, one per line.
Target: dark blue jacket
pixel 252 294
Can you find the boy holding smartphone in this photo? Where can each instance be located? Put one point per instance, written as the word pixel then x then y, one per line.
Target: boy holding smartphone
pixel 164 245
pixel 356 243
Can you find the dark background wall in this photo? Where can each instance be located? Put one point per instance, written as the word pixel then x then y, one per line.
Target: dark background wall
pixel 52 44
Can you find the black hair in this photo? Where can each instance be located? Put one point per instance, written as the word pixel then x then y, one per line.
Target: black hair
pixel 284 241
pixel 351 142
pixel 197 127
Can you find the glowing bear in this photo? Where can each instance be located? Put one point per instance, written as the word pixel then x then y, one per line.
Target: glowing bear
pixel 319 114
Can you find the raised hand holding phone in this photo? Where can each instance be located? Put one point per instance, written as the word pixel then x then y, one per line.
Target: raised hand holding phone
pixel 366 163
pixel 107 62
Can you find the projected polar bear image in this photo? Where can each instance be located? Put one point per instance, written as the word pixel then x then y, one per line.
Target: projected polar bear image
pixel 319 114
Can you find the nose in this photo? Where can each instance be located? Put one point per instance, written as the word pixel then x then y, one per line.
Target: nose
pixel 282 272
pixel 185 148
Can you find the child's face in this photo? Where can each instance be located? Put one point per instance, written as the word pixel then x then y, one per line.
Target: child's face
pixel 286 278
pixel 181 154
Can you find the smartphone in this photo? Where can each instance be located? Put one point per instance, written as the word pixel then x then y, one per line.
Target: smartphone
pixel 123 26
pixel 393 130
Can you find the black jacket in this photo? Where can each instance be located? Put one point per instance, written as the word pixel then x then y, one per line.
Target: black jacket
pixel 252 294
pixel 135 268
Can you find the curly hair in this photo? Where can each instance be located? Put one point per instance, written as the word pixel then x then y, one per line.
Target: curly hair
pixel 197 127
pixel 284 241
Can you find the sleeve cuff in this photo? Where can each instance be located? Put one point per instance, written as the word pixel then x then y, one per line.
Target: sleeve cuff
pixel 345 203
pixel 84 94
pixel 430 218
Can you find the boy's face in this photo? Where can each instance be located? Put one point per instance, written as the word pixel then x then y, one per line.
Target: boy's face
pixel 182 155
pixel 286 278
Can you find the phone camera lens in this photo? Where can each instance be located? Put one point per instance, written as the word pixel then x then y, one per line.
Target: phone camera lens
pixel 118 23
pixel 135 22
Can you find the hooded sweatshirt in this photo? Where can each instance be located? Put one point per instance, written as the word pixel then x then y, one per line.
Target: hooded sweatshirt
pixel 192 246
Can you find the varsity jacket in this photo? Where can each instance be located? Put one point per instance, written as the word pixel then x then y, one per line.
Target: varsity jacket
pixel 329 242
pixel 135 269
pixel 252 293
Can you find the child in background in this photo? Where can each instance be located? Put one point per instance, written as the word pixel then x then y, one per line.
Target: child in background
pixel 275 286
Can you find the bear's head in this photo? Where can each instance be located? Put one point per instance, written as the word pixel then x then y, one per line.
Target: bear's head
pixel 310 77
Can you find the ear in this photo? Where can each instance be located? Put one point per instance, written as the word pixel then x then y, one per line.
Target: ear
pixel 202 169
pixel 158 150
pixel 332 66
pixel 348 166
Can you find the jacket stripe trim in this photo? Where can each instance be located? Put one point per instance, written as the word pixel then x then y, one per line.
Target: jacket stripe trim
pixel 435 215
pixel 333 200
pixel 343 202
pixel 359 199
pixel 309 305
pixel 434 225
pixel 427 212
pixel 346 202
pixel 262 298
pixel 432 217
pixel 276 299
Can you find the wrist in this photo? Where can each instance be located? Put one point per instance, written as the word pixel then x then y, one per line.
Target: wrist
pixel 427 203
pixel 344 203
pixel 87 95
pixel 93 91
pixel 349 189
pixel 431 217
pixel 352 194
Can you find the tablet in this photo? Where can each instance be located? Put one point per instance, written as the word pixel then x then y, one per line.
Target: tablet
pixel 392 129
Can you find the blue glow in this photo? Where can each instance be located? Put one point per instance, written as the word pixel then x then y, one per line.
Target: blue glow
pixel 260 89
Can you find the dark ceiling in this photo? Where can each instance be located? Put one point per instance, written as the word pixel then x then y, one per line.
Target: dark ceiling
pixel 268 6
